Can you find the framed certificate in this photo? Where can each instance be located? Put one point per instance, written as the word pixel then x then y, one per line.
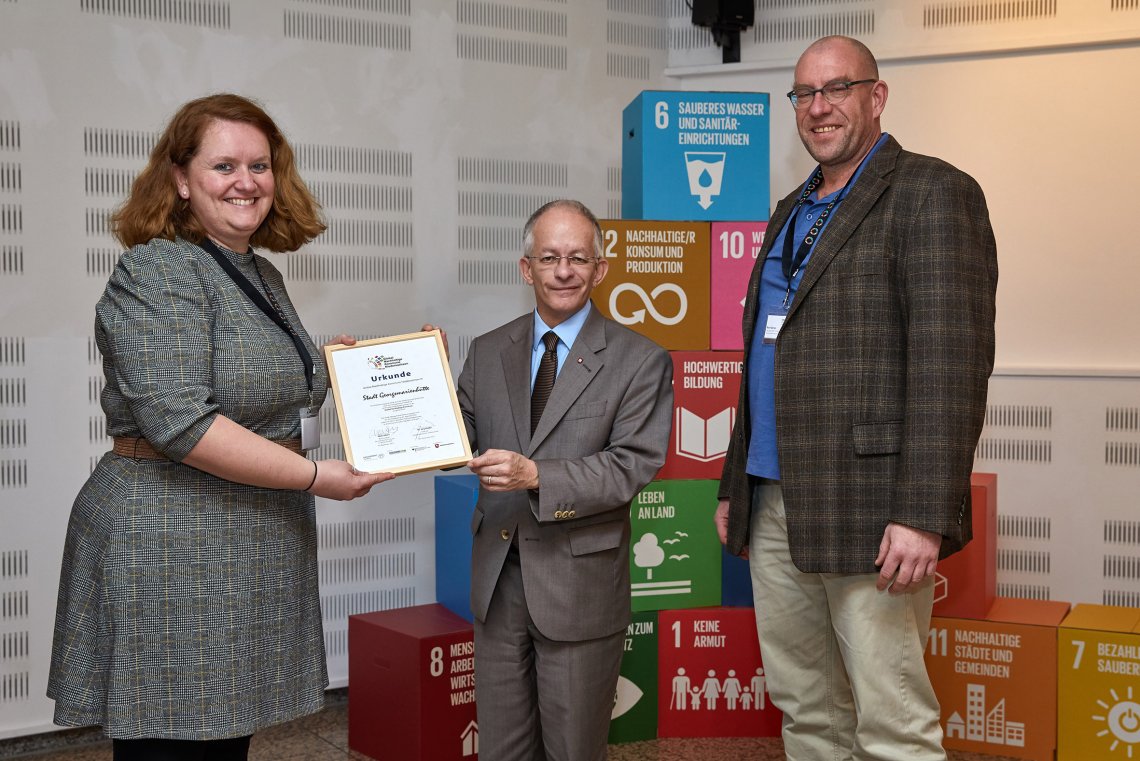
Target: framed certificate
pixel 396 404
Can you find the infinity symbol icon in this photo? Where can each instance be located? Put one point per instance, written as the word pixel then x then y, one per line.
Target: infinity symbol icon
pixel 638 315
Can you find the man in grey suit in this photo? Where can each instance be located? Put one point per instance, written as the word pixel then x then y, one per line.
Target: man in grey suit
pixel 557 471
pixel 869 331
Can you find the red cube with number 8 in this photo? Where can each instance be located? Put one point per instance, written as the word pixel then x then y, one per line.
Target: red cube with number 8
pixel 411 678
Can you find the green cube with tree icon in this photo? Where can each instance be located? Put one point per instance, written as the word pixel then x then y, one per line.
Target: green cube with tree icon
pixel 675 557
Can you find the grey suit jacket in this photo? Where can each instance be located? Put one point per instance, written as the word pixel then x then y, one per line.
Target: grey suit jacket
pixel 602 438
pixel 882 366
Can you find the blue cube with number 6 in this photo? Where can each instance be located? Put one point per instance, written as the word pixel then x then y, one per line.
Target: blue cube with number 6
pixel 695 156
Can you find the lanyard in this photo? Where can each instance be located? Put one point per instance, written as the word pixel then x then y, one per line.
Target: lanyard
pixel 791 265
pixel 271 308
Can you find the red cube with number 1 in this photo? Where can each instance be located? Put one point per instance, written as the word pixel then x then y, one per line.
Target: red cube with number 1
pixel 711 681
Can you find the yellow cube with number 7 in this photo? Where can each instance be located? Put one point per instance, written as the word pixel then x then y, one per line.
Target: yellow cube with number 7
pixel 1098 684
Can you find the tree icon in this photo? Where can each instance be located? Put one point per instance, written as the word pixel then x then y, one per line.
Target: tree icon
pixel 647 554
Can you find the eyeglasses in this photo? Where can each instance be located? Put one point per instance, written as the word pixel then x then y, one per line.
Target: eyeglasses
pixel 833 92
pixel 550 261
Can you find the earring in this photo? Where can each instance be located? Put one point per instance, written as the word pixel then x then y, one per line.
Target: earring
pixel 184 192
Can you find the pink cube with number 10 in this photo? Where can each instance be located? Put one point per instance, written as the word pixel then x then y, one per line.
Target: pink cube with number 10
pixel 734 249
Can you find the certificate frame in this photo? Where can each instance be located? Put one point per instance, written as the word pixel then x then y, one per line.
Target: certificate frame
pixel 396 404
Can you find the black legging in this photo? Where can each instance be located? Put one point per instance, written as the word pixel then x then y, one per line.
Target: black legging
pixel 149 749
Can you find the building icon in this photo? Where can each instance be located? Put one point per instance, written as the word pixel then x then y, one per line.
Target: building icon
pixel 982 726
pixel 995 723
pixel 975 712
pixel 470 739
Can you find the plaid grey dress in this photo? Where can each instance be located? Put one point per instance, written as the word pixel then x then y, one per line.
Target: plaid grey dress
pixel 188 605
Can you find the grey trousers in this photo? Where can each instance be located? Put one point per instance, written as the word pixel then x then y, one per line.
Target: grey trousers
pixel 540 699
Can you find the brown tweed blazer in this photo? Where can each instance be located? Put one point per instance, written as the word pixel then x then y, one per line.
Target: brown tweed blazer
pixel 882 367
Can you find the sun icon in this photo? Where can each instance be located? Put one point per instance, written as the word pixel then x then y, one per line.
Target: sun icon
pixel 1122 722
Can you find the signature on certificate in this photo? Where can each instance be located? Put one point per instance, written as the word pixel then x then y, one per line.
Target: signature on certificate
pixel 384 435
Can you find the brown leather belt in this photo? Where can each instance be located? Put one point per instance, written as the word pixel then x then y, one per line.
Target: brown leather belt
pixel 138 448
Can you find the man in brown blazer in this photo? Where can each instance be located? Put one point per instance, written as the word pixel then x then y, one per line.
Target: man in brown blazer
pixel 869 332
pixel 557 470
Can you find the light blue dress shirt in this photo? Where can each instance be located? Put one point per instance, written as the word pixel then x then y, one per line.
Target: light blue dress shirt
pixel 567 332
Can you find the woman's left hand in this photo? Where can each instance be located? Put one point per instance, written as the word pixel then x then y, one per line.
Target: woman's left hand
pixel 341 339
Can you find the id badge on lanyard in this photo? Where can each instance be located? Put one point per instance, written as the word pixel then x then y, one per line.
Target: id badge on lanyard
pixel 310 428
pixel 774 316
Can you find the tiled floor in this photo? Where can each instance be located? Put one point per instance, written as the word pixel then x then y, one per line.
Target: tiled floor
pixel 324 737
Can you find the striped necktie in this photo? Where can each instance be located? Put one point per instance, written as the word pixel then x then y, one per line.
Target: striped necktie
pixel 544 381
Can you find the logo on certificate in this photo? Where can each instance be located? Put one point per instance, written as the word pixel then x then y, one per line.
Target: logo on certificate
pixel 381 361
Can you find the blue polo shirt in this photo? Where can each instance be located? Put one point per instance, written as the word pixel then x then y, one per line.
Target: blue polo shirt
pixel 763 459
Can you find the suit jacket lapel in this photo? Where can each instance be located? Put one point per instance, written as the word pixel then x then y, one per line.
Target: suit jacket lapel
pixel 581 366
pixel 516 371
pixel 855 207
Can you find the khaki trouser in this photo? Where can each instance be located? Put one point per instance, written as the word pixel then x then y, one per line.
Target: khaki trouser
pixel 844 662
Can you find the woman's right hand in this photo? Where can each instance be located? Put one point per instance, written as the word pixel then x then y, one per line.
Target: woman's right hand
pixel 336 479
pixel 442 335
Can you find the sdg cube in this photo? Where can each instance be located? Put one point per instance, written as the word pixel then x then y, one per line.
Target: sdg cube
pixel 1098 684
pixel 455 498
pixel 711 677
pixel 411 675
pixel 695 155
pixel 674 560
pixel 965 582
pixel 735 249
pixel 635 710
pixel 658 280
pixel 735 581
pixel 996 678
pixel 706 389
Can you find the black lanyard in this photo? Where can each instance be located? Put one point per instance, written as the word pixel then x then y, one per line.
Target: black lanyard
pixel 271 308
pixel 791 265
